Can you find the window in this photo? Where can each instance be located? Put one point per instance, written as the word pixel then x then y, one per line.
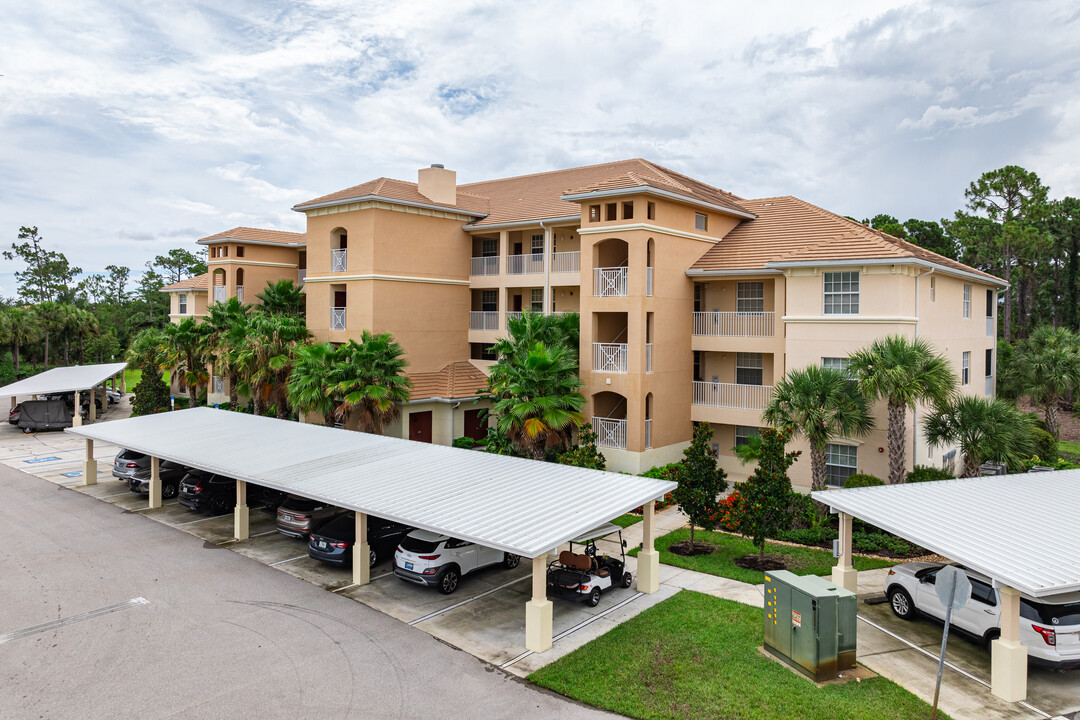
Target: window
pixel 183 304
pixel 697 365
pixel 841 293
pixel 611 211
pixel 750 297
pixel 841 462
pixel 991 301
pixel 650 211
pixel 989 362
pixel 749 368
pixel 965 371
pixel 701 221
pixel 982 592
pixel 225 251
pixel 743 433
pixel 699 297
pixel 489 247
pixel 933 289
pixel 489 300
pixel 239 251
pixel 538 244
pixel 967 301
pixel 536 299
pixel 594 213
pixel 835 363
pixel 628 211
pixel 482 351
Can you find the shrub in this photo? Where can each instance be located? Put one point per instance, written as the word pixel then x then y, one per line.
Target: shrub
pixel 151 395
pixel 464 442
pixel 820 536
pixel 804 512
pixel 1046 447
pixel 880 541
pixel 658 472
pixel 862 480
pixel 927 473
pixel 730 512
pixel 585 453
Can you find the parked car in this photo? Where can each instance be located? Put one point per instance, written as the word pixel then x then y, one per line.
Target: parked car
pixel 128 462
pixel 35 415
pixel 427 558
pixel 333 542
pixel 201 490
pixel 297 516
pixel 1049 627
pixel 171 475
pixel 13 416
pixel 114 396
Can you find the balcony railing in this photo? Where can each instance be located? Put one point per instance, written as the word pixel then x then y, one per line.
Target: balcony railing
pixel 648 357
pixel 485 265
pixel 219 293
pixel 524 264
pixel 733 324
pixel 566 262
pixel 648 434
pixel 484 320
pixel 610 432
pixel 732 395
pixel 301 274
pixel 648 282
pixel 609 357
pixel 240 293
pixel 337 260
pixel 219 385
pixel 337 318
pixel 610 282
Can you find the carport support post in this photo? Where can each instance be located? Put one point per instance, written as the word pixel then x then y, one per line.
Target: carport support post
pixel 1008 656
pixel 538 611
pixel 240 512
pixel 93 405
pixel 89 466
pixel 361 557
pixel 155 483
pixel 76 421
pixel 648 565
pixel 843 573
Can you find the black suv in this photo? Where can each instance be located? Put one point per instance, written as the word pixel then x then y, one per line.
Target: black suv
pixel 333 542
pixel 201 490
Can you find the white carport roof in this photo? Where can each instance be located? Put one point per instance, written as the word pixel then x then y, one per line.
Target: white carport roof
pixel 63 379
pixel 1021 530
pixel 519 506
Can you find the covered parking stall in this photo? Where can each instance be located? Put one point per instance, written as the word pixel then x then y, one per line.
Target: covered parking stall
pixel 1023 531
pixel 519 506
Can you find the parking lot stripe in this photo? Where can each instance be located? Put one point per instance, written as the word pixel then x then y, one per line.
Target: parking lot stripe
pixel 466 602
pixel 55 624
pixel 192 522
pixel 102 497
pixel 370 580
pixel 144 509
pixel 282 562
pixel 268 532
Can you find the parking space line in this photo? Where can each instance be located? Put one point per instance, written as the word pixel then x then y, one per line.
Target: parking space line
pixel 466 602
pixel 144 509
pixel 102 497
pixel 55 624
pixel 282 562
pixel 268 532
pixel 370 580
pixel 192 522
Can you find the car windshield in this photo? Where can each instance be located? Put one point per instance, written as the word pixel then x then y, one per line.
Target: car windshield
pixel 131 455
pixel 295 503
pixel 1065 614
pixel 417 545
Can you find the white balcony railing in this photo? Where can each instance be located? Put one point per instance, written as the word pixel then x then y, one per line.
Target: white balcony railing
pixel 610 282
pixel 240 293
pixel 566 262
pixel 648 434
pixel 485 265
pixel 301 274
pixel 337 318
pixel 524 264
pixel 732 395
pixel 484 320
pixel 610 432
pixel 337 260
pixel 513 315
pixel 219 385
pixel 609 357
pixel 648 357
pixel 733 324
pixel 219 293
pixel 648 282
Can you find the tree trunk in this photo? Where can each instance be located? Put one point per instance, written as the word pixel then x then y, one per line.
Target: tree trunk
pixel 234 394
pixel 46 349
pixel 691 537
pixel 15 352
pixel 971 466
pixel 897 446
pixel 1006 318
pixel 257 405
pixel 761 551
pixel 1051 411
pixel 67 351
pixel 819 478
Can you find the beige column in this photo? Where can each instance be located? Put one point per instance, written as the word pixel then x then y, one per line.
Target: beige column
pixel 241 525
pixel 14 402
pixel 89 471
pixel 123 382
pixel 93 405
pixel 538 611
pixel 843 573
pixel 504 250
pixel 76 420
pixel 361 556
pixel 155 483
pixel 1008 656
pixel 648 566
pixel 546 307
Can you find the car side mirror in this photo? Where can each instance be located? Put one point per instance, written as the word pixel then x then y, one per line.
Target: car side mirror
pixel 624 543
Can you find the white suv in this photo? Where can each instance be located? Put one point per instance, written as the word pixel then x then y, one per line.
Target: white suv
pixel 1049 627
pixel 427 558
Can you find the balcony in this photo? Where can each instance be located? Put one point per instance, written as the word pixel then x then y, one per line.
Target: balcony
pixel 484 320
pixel 732 395
pixel 610 432
pixel 219 293
pixel 337 260
pixel 485 265
pixel 610 282
pixel 301 274
pixel 734 324
pixel 524 264
pixel 609 357
pixel 337 318
pixel 240 293
pixel 562 262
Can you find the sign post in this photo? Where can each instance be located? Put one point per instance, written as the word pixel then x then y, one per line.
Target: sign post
pixel 172 402
pixel 954 590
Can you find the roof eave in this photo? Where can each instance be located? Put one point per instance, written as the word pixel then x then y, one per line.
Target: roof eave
pixel 986 279
pixel 394 201
pixel 269 243
pixel 523 223
pixel 692 272
pixel 649 190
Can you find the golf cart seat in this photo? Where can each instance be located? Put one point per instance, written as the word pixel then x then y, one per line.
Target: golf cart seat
pixel 575 562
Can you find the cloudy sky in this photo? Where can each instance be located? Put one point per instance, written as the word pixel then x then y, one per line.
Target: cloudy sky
pixel 130 127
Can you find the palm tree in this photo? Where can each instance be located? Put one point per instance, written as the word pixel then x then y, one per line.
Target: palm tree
pixel 266 356
pixel 985 429
pixel 371 380
pixel 226 328
pixel 533 327
pixel 184 343
pixel 819 404
pixel 1047 366
pixel 311 382
pixel 51 317
pixel 23 330
pixel 79 324
pixel 903 372
pixel 147 350
pixel 538 403
pixel 283 298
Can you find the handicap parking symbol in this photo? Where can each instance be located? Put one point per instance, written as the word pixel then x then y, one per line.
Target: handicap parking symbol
pixel 41 459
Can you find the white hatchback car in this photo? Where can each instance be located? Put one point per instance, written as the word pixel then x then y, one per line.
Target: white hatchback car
pixel 1049 627
pixel 427 558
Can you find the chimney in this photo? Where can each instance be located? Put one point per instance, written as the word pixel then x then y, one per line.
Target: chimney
pixel 438 185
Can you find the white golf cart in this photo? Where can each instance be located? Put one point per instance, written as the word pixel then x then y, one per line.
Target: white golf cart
pixel 585 576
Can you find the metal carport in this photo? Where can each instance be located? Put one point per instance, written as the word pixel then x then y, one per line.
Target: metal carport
pixel 1021 530
pixel 520 506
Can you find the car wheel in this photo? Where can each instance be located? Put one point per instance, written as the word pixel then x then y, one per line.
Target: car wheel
pixel 991 635
pixel 218 507
pixel 627 579
pixel 168 491
pixel 901 604
pixel 594 597
pixel 373 557
pixel 511 561
pixel 449 581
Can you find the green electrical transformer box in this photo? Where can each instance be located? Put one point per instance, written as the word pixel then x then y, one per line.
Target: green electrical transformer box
pixel 810 623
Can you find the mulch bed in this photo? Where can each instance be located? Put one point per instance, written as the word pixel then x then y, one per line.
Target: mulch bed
pixel 755 562
pixel 685 549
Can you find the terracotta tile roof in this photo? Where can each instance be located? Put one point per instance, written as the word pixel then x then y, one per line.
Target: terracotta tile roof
pixel 456 380
pixel 788 229
pixel 196 283
pixel 400 190
pixel 257 235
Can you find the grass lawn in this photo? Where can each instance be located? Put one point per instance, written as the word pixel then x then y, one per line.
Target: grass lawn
pixel 625 521
pixel 799 560
pixel 132 378
pixel 695 656
pixel 1069 446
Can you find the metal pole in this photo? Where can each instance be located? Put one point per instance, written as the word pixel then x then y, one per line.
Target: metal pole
pixel 941 660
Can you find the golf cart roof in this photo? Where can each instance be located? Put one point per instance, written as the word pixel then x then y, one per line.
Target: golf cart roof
pixel 596 533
